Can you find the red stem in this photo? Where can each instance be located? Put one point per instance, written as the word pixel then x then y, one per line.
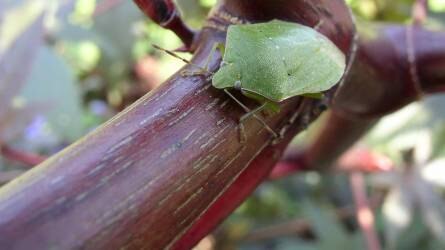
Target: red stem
pixel 244 185
pixel 420 12
pixel 164 13
pixel 257 171
pixel 365 216
pixel 28 159
pixel 293 162
pixel 355 160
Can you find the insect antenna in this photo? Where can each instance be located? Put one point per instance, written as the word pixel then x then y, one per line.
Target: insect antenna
pixel 180 58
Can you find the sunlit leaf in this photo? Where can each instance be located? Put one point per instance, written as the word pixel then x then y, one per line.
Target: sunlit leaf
pixel 406 128
pixel 437 5
pixel 423 148
pixel 391 126
pixel 207 3
pixel 83 12
pixel 82 55
pixel 192 11
pixel 434 172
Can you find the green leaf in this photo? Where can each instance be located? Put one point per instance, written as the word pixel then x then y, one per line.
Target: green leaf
pixel 52 81
pixel 330 233
pixel 410 238
pixel 115 30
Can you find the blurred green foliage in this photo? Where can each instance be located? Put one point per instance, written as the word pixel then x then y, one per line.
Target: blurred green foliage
pixel 96 58
pixel 436 5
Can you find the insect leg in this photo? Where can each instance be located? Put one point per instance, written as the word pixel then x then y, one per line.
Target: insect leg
pixel 241 126
pixel 253 113
pixel 249 113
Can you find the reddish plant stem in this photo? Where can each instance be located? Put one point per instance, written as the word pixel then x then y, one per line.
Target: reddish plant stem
pixel 285 168
pixel 420 11
pixel 164 13
pixel 395 66
pixel 365 216
pixel 160 11
pixel 26 158
pixel 361 159
pixel 244 185
pixel 357 159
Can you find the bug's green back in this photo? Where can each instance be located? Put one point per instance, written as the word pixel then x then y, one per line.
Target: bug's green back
pixel 279 60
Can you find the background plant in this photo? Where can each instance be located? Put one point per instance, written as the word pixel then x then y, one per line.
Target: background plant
pixel 84 61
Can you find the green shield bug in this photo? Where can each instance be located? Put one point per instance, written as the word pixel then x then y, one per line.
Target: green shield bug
pixel 278 60
pixel 273 61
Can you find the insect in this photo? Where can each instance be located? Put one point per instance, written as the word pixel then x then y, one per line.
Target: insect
pixel 273 61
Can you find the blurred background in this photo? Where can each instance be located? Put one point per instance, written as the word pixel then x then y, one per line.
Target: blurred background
pixel 67 66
